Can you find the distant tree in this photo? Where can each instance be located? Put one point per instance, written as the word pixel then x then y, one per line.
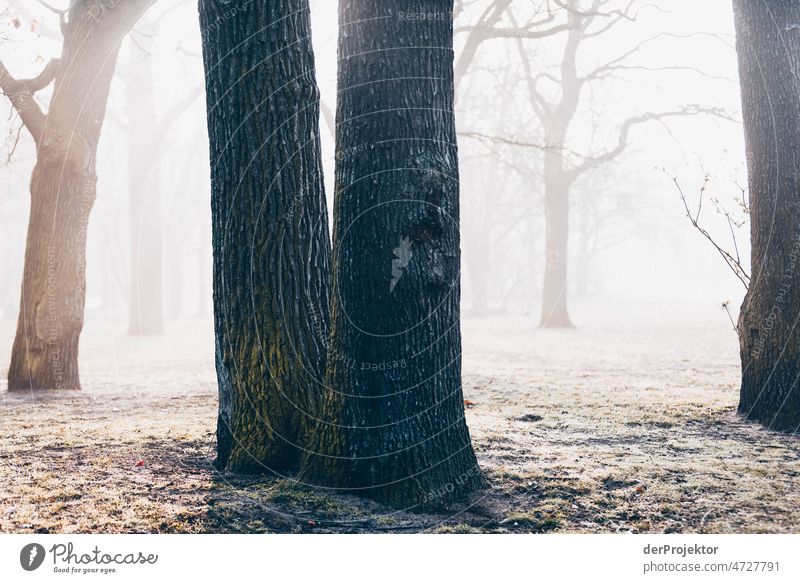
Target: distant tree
pixel 270 230
pixel 393 426
pixel 63 188
pixel 555 98
pixel 146 303
pixel 147 135
pixel 768 46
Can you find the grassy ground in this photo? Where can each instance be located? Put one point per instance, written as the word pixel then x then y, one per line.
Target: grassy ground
pixel 601 429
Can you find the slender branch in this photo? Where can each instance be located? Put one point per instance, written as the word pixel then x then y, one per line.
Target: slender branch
pixel 524 33
pixel 515 143
pixel 609 65
pixel 733 262
pixel 613 69
pixel 14 145
pixel 52 8
pixel 622 141
pixel 540 105
pixel 62 14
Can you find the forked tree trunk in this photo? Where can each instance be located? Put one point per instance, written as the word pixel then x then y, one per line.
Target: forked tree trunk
pixel 63 190
pixel 768 45
pixel 270 230
pixel 393 425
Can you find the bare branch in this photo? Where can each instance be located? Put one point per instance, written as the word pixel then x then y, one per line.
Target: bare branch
pixel 733 262
pixel 21 94
pixel 524 33
pixel 540 105
pixel 622 141
pixel 477 36
pixel 686 68
pixel 515 143
pixel 51 8
pixel 610 65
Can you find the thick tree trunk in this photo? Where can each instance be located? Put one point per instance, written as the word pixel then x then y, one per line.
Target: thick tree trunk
pixel 45 352
pixel 63 191
pixel 270 230
pixel 768 45
pixel 393 425
pixel 555 312
pixel 146 310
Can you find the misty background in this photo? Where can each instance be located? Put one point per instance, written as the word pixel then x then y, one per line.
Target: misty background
pixel 634 257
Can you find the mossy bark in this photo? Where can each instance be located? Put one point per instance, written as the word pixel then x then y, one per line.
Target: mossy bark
pixel 270 232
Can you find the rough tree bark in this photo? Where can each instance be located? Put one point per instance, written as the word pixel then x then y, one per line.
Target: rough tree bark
pixel 270 231
pixel 393 425
pixel 63 189
pixel 768 45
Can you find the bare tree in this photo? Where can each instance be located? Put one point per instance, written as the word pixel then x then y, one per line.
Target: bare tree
pixel 147 136
pixel 63 187
pixel 578 21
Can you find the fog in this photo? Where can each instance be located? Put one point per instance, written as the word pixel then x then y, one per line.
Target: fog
pixel 633 254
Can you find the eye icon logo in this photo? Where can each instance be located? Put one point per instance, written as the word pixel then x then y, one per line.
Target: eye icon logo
pixel 31 556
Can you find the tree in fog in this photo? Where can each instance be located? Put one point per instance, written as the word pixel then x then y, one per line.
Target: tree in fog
pixel 270 231
pixel 392 426
pixel 768 46
pixel 63 188
pixel 556 99
pixel 146 300
pixel 147 133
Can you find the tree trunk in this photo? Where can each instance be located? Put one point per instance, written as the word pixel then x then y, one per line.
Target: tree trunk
pixel 270 232
pixel 583 255
pixel 146 315
pixel 768 45
pixel 555 313
pixel 393 425
pixel 63 191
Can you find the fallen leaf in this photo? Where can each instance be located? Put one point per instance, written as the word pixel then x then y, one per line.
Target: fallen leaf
pixel 140 463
